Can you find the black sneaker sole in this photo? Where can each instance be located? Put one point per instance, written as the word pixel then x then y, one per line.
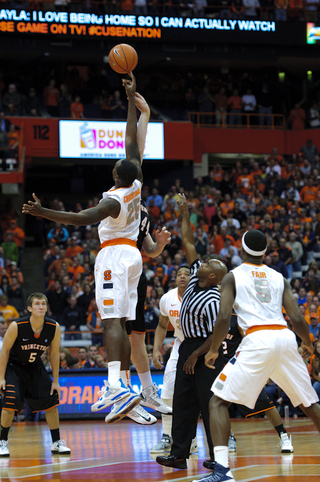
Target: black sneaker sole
pixel 5 455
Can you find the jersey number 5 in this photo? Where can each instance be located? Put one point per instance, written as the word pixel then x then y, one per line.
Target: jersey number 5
pixel 32 357
pixel 133 210
pixel 263 293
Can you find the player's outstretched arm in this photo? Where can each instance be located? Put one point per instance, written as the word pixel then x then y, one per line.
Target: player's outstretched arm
pixel 8 341
pixel 107 207
pixel 131 142
pixel 159 337
pixel 187 235
pixel 153 249
pixel 299 323
pixel 222 324
pixel 55 361
pixel 144 109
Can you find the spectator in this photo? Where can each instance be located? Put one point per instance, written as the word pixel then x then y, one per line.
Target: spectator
pixel 4 123
pixel 297 117
pixel 10 249
pixel 315 368
pixel 249 104
pixel 230 221
pixel 93 352
pixel 72 319
pixel 76 108
pixel 52 98
pixel 12 101
pixel 57 301
pixel 201 242
pixel 281 10
pixel 250 8
pixel 314 115
pixel 118 108
pixel 56 265
pixel 265 105
pixel 8 312
pixel 310 283
pixel 278 265
pixel 227 248
pixel 74 248
pixel 13 139
pixel 295 9
pixel 17 296
pixel 235 104
pixel 310 151
pixel 94 324
pixel 237 9
pixel 205 104
pixel 82 355
pixel 18 236
pixel 301 296
pixel 297 251
pixel 72 363
pixel 99 362
pixel 85 299
pixel 59 233
pixel 221 102
pixel 314 325
pixel 156 197
pixel 64 355
pixel 285 255
pixel 32 104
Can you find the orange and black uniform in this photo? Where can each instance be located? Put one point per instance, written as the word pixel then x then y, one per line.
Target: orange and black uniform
pixel 25 375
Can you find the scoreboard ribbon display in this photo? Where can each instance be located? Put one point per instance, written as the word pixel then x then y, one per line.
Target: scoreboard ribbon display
pixel 117 26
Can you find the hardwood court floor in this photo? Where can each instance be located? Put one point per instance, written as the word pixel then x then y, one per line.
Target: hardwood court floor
pixel 120 453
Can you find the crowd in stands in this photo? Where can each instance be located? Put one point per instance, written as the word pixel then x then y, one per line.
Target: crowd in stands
pixel 279 196
pixel 232 98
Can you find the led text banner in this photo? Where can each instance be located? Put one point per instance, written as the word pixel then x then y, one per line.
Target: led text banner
pixel 313 34
pixel 105 140
pixel 79 390
pixel 73 24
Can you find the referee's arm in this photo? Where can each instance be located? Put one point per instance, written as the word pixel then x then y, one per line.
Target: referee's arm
pixel 187 235
pixel 223 319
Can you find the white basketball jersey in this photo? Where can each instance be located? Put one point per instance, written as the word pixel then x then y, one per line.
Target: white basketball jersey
pixel 259 293
pixel 126 225
pixel 170 305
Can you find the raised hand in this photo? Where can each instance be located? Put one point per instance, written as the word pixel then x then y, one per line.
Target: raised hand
pixel 33 208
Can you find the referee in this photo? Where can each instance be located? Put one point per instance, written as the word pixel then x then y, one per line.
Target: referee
pixel 200 305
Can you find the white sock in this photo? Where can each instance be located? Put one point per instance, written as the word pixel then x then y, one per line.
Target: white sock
pixel 167 419
pixel 114 373
pixel 221 455
pixel 125 377
pixel 145 379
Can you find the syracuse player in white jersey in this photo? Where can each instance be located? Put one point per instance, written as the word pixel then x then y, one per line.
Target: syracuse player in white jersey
pixel 268 349
pixel 118 265
pixel 170 305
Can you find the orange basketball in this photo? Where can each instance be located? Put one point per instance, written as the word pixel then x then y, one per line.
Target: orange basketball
pixel 123 58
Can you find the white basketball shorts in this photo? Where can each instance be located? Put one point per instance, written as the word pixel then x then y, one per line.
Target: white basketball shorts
pixel 260 356
pixel 170 371
pixel 117 272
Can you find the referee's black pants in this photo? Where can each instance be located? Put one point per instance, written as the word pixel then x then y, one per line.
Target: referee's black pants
pixel 191 396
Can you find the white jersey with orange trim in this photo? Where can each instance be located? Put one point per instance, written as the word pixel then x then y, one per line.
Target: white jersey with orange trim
pixel 126 225
pixel 259 293
pixel 170 305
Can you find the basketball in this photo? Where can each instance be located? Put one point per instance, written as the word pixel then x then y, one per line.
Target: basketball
pixel 123 58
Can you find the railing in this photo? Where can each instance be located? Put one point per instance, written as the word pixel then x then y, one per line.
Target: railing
pixel 242 120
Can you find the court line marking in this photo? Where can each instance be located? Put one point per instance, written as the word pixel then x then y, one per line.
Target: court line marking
pixel 65 461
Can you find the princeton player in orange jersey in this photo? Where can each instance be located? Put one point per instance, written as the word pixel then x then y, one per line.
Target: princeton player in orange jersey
pixel 23 375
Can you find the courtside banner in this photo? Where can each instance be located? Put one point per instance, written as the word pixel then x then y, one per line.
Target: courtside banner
pixel 105 140
pixel 79 389
pixel 132 27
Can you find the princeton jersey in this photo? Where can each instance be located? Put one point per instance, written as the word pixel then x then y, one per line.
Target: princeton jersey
pixel 28 346
pixel 170 305
pixel 232 340
pixel 144 225
pixel 126 225
pixel 259 293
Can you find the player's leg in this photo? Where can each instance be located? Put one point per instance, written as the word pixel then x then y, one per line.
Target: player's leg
pixel 58 445
pixel 122 408
pixel 313 412
pixel 11 402
pixel 6 422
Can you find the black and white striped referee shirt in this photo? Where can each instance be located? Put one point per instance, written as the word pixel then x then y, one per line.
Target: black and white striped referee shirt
pixel 199 307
